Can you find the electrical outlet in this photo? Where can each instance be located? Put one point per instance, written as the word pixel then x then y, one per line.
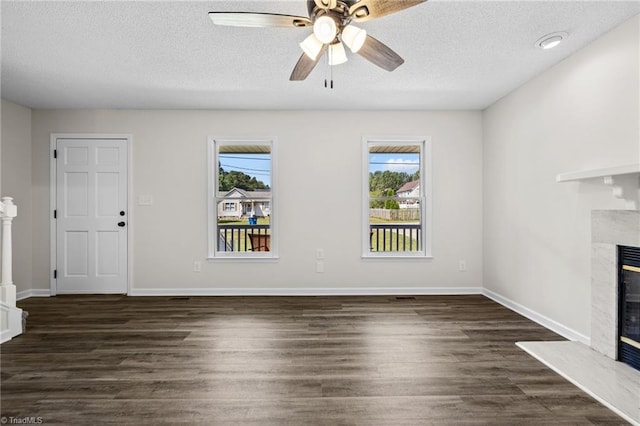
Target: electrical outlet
pixel 462 266
pixel 320 267
pixel 319 253
pixel 197 266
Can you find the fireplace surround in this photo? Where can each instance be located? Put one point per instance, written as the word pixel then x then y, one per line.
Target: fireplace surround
pixel 609 230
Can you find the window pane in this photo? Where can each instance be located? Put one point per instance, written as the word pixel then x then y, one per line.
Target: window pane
pixel 394 170
pixel 394 230
pixel 246 167
pixel 395 196
pixel 243 234
pixel 243 198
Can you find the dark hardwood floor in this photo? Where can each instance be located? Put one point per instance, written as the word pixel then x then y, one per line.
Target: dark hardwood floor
pixel 428 360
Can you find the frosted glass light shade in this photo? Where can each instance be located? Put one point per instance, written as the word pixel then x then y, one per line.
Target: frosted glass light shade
pixel 353 37
pixel 325 29
pixel 311 46
pixel 337 55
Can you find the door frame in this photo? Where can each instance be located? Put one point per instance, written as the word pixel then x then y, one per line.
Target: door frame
pixel 53 197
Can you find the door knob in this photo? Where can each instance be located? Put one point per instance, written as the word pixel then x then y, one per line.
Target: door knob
pixel 121 212
pixel 121 224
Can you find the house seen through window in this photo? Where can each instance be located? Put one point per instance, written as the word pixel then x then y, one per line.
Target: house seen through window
pixel 241 207
pixel 396 199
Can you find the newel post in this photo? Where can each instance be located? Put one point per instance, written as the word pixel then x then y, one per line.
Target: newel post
pixel 7 288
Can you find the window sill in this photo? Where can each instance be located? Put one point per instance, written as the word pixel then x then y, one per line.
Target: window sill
pixel 369 257
pixel 244 259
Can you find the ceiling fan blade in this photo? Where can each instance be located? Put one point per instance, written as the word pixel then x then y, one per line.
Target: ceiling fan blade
pixel 365 10
pixel 311 5
pixel 380 54
pixel 305 65
pixel 251 19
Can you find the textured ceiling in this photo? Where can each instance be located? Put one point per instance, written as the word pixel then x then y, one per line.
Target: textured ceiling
pixel 159 54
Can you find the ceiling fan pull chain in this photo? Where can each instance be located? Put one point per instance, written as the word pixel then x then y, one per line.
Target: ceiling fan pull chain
pixel 328 79
pixel 331 76
pixel 327 75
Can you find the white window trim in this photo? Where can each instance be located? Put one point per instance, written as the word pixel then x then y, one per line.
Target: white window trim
pixel 212 212
pixel 426 199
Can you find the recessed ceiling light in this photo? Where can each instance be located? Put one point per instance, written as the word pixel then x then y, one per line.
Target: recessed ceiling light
pixel 551 40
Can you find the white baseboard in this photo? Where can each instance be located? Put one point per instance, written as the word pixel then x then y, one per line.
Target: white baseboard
pixel 322 291
pixel 544 321
pixel 34 292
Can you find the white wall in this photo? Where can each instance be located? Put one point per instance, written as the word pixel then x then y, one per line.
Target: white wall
pixel 583 113
pixel 16 183
pixel 319 160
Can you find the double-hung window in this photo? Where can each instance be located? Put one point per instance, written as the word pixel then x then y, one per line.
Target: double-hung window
pixel 241 206
pixel 396 197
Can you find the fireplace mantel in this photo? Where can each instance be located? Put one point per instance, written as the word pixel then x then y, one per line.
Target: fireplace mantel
pixel 623 180
pixel 607 172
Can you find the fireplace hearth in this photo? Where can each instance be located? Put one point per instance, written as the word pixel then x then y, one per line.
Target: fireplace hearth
pixel 629 305
pixel 612 382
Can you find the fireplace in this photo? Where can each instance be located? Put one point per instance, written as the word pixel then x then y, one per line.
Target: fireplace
pixel 610 230
pixel 629 305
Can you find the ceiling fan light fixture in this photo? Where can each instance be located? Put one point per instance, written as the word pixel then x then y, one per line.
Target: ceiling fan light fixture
pixel 331 21
pixel 354 37
pixel 337 55
pixel 325 29
pixel 311 46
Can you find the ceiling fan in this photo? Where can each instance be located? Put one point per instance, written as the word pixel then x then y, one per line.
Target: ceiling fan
pixel 332 25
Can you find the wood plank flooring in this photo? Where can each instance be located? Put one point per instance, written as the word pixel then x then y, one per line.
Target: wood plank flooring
pixel 428 360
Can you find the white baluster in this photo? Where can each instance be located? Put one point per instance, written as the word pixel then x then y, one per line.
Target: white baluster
pixel 7 289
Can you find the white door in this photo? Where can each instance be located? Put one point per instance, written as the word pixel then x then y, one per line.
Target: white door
pixel 91 215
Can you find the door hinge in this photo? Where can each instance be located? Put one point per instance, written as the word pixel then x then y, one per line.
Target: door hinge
pixel 55 214
pixel 55 274
pixel 55 153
